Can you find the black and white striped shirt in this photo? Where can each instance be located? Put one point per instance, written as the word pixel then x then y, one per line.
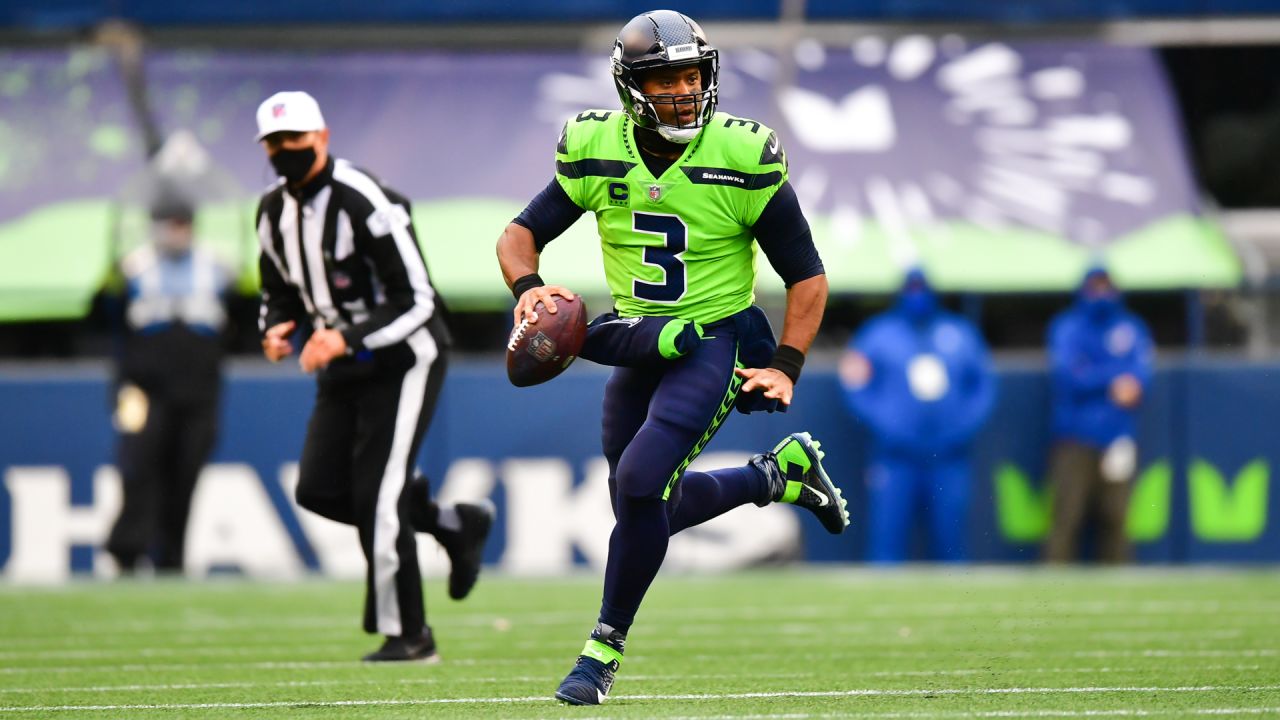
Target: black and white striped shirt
pixel 341 253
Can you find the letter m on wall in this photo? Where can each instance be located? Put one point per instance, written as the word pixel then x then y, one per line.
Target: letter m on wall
pixel 1025 513
pixel 1228 513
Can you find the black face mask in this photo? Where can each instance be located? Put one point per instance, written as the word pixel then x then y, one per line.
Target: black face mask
pixel 293 165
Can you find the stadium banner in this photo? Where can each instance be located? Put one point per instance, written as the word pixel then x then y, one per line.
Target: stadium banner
pixel 999 166
pixel 1202 491
pixel 77 14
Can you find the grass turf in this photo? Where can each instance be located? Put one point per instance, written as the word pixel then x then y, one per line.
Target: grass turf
pixel 929 643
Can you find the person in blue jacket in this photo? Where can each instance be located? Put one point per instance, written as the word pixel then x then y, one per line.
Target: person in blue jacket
pixel 168 379
pixel 1100 357
pixel 920 378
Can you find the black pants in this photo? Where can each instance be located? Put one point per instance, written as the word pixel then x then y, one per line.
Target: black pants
pixel 159 465
pixel 361 447
pixel 1081 493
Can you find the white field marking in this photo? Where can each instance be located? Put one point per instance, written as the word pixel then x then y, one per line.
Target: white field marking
pixel 798 635
pixel 482 628
pixel 982 639
pixel 713 622
pixel 868 692
pixel 991 654
pixel 1032 613
pixel 146 652
pixel 634 659
pixel 263 665
pixel 1044 670
pixel 1031 609
pixel 1121 712
pixel 629 678
pixel 384 681
pixel 484 620
pixel 1087 607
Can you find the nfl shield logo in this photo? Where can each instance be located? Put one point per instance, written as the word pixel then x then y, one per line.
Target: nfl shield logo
pixel 542 347
pixel 655 193
pixel 277 110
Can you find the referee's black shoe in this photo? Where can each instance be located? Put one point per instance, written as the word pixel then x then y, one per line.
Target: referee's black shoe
pixel 398 648
pixel 465 546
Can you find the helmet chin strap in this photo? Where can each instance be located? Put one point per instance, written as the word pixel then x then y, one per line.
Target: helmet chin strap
pixel 682 136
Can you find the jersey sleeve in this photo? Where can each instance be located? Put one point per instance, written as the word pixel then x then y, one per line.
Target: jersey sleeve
pixel 783 234
pixel 767 160
pixel 280 301
pixel 569 180
pixel 384 233
pixel 548 215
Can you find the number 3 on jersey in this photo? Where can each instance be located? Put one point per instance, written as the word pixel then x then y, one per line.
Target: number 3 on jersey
pixel 675 236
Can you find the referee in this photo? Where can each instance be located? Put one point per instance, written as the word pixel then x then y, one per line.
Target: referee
pixel 339 255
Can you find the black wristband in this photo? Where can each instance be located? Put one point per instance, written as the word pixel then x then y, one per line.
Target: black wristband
pixel 788 361
pixel 522 284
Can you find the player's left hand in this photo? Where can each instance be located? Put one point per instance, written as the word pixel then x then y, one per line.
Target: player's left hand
pixel 775 383
pixel 325 345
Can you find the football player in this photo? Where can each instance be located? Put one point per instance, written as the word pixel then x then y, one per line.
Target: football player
pixel 682 196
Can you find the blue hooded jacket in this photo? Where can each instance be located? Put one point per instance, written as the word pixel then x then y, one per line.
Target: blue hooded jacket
pixel 919 377
pixel 1092 343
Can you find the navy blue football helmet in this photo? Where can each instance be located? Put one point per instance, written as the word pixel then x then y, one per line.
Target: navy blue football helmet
pixel 660 39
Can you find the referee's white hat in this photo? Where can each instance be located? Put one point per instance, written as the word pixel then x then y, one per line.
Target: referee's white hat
pixel 293 111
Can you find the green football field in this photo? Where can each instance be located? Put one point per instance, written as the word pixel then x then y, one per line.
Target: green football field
pixel 930 643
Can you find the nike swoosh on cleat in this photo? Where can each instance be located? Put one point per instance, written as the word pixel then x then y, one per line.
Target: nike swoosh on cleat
pixel 600 695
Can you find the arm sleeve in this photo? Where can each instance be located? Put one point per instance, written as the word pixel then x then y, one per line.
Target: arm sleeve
pixel 280 301
pixel 783 234
pixel 549 214
pixel 390 245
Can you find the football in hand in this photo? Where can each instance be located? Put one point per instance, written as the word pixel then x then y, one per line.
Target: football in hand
pixel 539 351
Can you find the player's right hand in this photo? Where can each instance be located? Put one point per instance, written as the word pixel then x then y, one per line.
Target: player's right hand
pixel 275 344
pixel 532 296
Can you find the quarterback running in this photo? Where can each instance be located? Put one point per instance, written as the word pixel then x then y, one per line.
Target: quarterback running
pixel 682 195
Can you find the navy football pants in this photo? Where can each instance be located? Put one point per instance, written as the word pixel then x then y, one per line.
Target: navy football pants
pixel 656 421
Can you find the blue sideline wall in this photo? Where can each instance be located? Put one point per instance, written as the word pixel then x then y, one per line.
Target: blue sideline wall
pixel 1208 441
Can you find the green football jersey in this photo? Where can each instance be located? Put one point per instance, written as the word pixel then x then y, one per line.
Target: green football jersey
pixel 679 244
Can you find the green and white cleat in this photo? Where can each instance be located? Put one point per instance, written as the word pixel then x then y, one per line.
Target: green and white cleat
pixel 796 476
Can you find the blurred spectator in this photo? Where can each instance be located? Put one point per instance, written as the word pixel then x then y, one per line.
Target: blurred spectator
pixel 168 380
pixel 1100 357
pixel 921 379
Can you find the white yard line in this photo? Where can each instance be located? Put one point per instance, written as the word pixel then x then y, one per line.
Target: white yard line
pixel 1126 628
pixel 634 659
pixel 259 665
pixel 1121 712
pixel 629 678
pixel 1140 608
pixel 802 636
pixel 865 692
pixel 373 681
